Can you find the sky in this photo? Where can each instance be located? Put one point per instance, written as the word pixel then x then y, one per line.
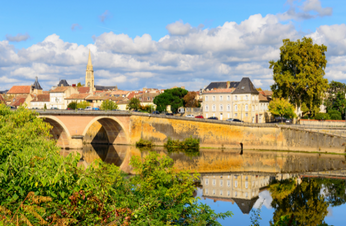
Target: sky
pixel 161 44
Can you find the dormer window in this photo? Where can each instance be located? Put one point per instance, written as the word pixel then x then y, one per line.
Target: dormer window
pixel 242 87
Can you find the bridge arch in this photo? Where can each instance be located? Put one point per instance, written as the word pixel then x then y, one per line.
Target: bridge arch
pixel 59 131
pixel 114 129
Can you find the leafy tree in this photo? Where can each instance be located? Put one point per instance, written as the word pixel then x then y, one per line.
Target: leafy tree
pixel 134 104
pixel 173 97
pixel 41 187
pixel 79 84
pixel 281 107
pixel 299 73
pixel 72 105
pixel 336 98
pixel 259 89
pixel 190 100
pixel 83 104
pixel 334 114
pixel 45 107
pixel 108 105
pixel 322 116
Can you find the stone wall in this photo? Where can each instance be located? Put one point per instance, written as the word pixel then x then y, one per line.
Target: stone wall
pixel 228 135
pixel 322 123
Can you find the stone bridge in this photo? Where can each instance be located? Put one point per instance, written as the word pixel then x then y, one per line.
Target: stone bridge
pixel 72 129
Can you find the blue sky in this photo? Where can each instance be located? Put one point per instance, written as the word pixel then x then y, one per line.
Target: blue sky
pixel 161 44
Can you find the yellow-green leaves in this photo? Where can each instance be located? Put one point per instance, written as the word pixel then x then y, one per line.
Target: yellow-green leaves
pixel 281 107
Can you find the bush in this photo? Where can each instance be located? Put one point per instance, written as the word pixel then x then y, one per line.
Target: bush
pixel 108 105
pixel 144 143
pixel 41 187
pixel 324 116
pixel 190 146
pixel 83 104
pixel 335 115
pixel 72 105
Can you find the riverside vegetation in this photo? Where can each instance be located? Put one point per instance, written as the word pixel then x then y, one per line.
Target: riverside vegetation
pixel 40 187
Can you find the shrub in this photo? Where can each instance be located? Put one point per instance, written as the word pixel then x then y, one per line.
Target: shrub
pixel 324 116
pixel 144 143
pixel 83 104
pixel 190 146
pixel 72 105
pixel 334 114
pixel 108 105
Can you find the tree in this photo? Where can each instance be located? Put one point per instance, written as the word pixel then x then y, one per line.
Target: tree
pixel 190 100
pixel 299 73
pixel 134 104
pixel 334 115
pixel 108 105
pixel 259 89
pixel 336 100
pixel 72 105
pixel 79 84
pixel 45 107
pixel 173 97
pixel 282 108
pixel 83 104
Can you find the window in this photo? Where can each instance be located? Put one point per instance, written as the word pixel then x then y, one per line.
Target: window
pixel 246 108
pixel 220 98
pixel 206 181
pixel 235 177
pixel 148 98
pixel 214 182
pixel 246 194
pixel 228 183
pixel 214 108
pixel 236 184
pixel 246 178
pixel 236 107
pixel 246 114
pixel 246 97
pixel 235 97
pixel 228 107
pixel 221 107
pixel 235 194
pixel 228 193
pixel 221 183
pixel 206 98
pixel 213 192
pixel 206 108
pixel 228 98
pixel 253 98
pixel 206 115
pixel 235 115
pixel 242 87
pixel 213 98
pixel 220 192
pixel 206 191
pixel 253 108
pixel 246 184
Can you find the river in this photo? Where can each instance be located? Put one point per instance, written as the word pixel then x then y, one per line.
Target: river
pixel 240 183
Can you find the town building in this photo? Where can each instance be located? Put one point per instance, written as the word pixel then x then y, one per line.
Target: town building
pixel 58 95
pixel 40 101
pixel 238 100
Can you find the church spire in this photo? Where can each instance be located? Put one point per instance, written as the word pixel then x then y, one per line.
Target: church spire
pixel 89 65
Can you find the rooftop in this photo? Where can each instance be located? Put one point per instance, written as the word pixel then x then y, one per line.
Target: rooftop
pixel 59 89
pixel 220 91
pixel 77 96
pixel 63 82
pixel 83 89
pixel 19 90
pixel 245 86
pixel 41 98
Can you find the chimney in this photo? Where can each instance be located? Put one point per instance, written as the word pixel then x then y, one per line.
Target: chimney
pixel 228 84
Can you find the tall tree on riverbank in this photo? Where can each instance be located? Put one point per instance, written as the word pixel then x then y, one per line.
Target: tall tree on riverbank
pixel 281 107
pixel 299 73
pixel 173 97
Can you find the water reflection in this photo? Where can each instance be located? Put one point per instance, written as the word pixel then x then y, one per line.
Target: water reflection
pixel 306 186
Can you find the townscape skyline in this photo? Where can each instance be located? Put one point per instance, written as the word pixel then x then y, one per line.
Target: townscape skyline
pixel 190 46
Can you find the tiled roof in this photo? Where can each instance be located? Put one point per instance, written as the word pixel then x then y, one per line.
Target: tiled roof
pixel 19 100
pixel 77 96
pixel 19 90
pixel 41 98
pixel 134 93
pixel 120 92
pixel 144 97
pixel 221 85
pixel 83 89
pixel 261 97
pixel 267 92
pixel 45 92
pixel 220 91
pixel 59 89
pixel 97 87
pixel 63 82
pixel 94 97
pixel 245 86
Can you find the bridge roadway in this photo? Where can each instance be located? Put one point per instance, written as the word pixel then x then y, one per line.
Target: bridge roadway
pixel 73 128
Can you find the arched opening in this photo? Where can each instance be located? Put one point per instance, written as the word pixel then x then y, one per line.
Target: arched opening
pixel 105 130
pixel 58 132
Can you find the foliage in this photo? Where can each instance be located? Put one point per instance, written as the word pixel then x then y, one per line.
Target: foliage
pixel 144 143
pixel 256 216
pixel 305 203
pixel 72 105
pixel 190 146
pixel 134 104
pixel 322 116
pixel 108 105
pixel 147 108
pixel 39 186
pixel 79 84
pixel 281 189
pixel 299 73
pixel 334 114
pixel 83 104
pixel 45 107
pixel 336 98
pixel 190 100
pixel 259 89
pixel 173 97
pixel 282 108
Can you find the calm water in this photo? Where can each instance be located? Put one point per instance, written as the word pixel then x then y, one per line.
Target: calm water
pixel 240 183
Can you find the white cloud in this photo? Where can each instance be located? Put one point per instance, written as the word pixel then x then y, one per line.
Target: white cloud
pixel 178 28
pixel 76 27
pixel 265 199
pixel 104 16
pixel 18 38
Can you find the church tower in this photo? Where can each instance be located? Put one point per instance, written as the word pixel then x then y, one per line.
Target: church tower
pixel 89 75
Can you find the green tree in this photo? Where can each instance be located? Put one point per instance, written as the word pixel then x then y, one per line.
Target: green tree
pixel 83 104
pixel 45 107
pixel 334 114
pixel 79 84
pixel 108 105
pixel 72 105
pixel 281 107
pixel 41 187
pixel 134 104
pixel 173 97
pixel 299 73
pixel 335 99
